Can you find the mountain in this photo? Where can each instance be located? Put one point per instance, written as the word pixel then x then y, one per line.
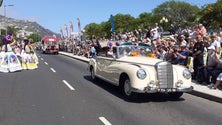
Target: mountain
pixel 25 26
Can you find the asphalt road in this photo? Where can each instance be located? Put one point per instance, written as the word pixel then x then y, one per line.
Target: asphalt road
pixel 60 92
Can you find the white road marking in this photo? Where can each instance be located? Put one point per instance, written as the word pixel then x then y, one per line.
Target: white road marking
pixel 46 63
pixel 105 122
pixel 41 58
pixel 67 84
pixel 52 69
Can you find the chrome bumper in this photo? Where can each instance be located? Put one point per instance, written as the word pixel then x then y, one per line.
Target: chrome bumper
pixel 154 90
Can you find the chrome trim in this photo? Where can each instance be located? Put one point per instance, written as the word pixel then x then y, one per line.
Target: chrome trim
pixel 134 63
pixel 164 74
pixel 166 90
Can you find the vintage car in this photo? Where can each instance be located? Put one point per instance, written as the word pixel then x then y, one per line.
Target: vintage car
pixel 130 68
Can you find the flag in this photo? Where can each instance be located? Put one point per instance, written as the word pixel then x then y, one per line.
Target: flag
pixel 61 32
pixel 112 23
pixel 71 29
pixel 79 26
pixel 66 30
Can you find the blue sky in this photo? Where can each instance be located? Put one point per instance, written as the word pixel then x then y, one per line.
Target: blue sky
pixel 53 14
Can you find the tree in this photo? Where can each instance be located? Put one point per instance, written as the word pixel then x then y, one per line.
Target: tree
pixel 178 13
pixel 144 20
pixel 93 30
pixel 1 1
pixel 210 15
pixel 35 37
pixel 124 23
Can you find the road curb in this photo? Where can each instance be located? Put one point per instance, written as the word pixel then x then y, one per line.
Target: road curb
pixel 75 57
pixel 206 96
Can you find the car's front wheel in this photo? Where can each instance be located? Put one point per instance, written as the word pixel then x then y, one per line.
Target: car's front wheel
pixel 126 88
pixel 175 95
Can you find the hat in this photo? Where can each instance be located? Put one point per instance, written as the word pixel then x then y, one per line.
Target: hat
pixel 109 44
pixel 8 37
pixel 183 44
pixel 171 38
pixel 211 48
pixel 182 36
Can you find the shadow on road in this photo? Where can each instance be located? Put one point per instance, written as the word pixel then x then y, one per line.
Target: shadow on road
pixel 141 98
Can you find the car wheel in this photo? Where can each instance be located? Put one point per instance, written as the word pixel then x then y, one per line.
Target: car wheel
pixel 175 95
pixel 93 76
pixel 126 89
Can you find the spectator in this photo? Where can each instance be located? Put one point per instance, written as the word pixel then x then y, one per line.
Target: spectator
pixel 197 55
pixel 190 45
pixel 181 40
pixel 97 46
pixel 160 52
pixel 215 43
pixel 212 61
pixel 218 82
pixel 92 51
pixel 201 30
pixel 182 55
pixel 186 33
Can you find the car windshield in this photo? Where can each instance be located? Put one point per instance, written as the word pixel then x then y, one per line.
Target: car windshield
pixel 133 50
pixel 51 42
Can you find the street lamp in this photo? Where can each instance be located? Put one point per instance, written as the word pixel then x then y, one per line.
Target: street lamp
pixel 5 8
pixel 163 21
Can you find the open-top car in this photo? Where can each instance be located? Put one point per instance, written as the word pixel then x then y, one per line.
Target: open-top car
pixel 129 67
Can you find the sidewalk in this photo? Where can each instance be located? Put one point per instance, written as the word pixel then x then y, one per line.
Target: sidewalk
pixel 199 90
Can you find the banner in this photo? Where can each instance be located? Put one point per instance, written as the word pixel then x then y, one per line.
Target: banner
pixel 71 29
pixel 66 30
pixel 79 26
pixel 61 32
pixel 112 23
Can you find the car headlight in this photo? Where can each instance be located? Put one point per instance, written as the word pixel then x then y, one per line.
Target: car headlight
pixel 141 74
pixel 186 74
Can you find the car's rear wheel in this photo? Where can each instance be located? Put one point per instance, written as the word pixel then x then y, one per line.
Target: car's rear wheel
pixel 126 88
pixel 175 95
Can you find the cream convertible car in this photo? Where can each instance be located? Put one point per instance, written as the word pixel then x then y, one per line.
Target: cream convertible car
pixel 134 72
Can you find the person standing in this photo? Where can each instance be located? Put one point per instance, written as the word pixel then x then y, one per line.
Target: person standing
pixel 97 47
pixel 198 50
pixel 215 43
pixel 9 61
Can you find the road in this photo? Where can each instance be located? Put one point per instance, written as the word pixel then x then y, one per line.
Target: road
pixel 60 92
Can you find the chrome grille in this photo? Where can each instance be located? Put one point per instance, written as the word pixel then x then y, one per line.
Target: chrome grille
pixel 165 74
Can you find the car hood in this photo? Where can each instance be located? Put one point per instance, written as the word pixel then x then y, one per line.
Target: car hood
pixel 140 60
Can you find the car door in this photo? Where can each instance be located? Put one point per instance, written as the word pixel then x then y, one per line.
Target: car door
pixel 109 70
pixel 99 66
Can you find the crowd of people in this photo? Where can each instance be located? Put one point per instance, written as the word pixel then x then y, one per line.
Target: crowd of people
pixel 16 56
